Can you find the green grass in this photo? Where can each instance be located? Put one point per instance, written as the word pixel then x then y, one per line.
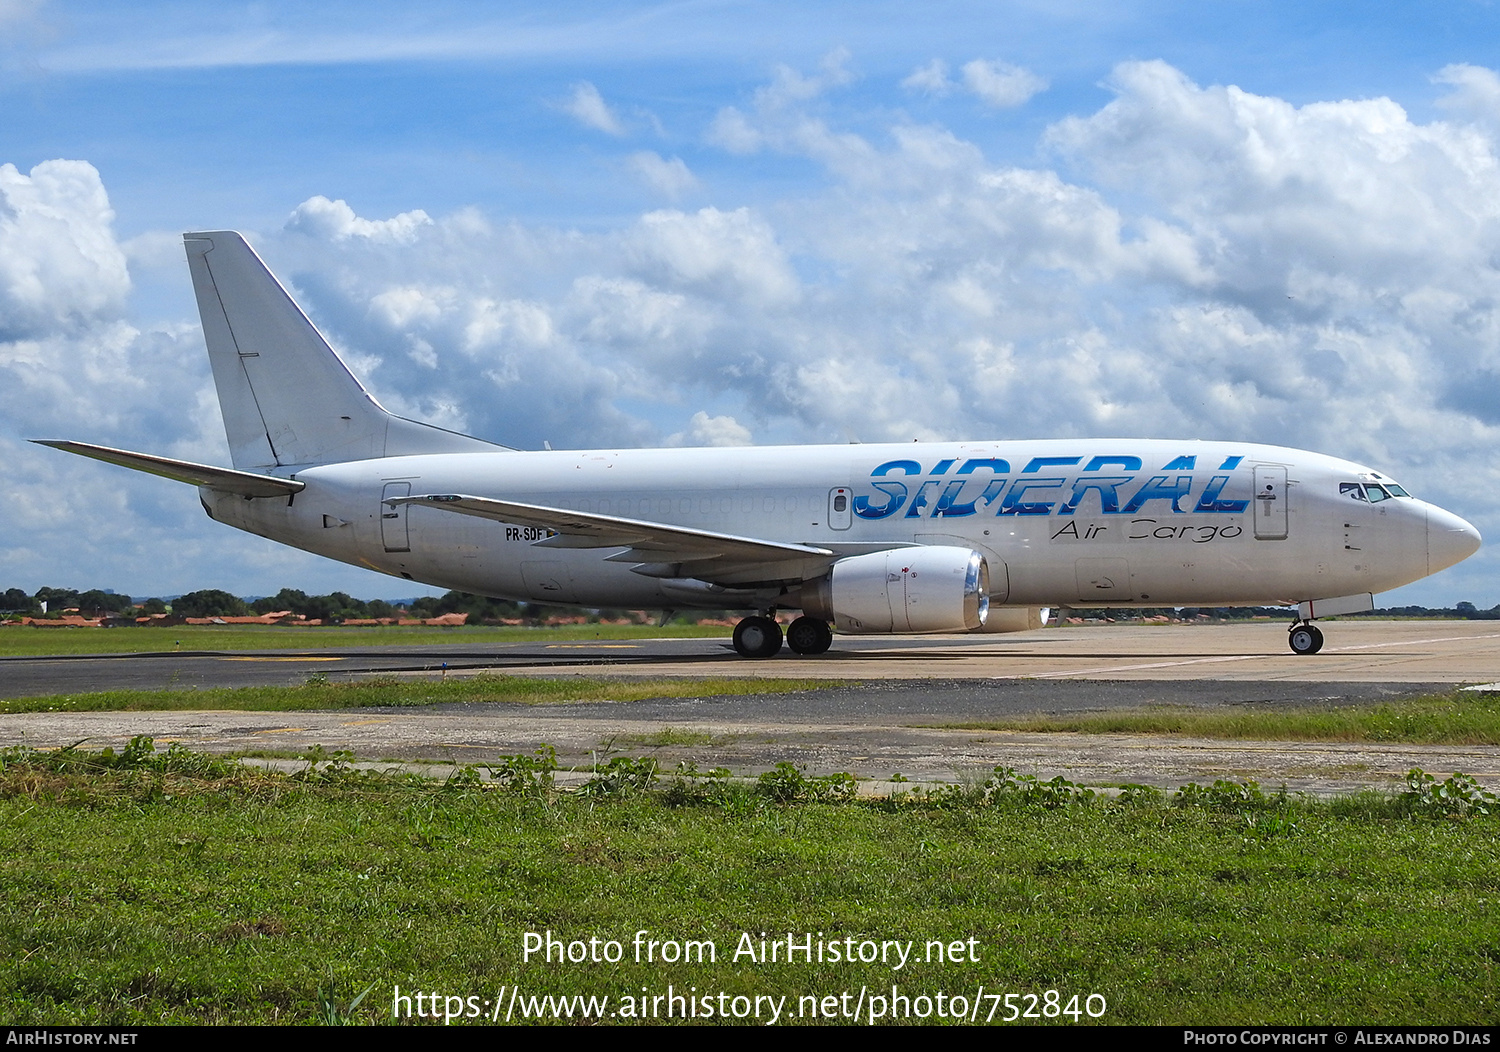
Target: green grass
pixel 25 641
pixel 316 694
pixel 1459 718
pixel 195 891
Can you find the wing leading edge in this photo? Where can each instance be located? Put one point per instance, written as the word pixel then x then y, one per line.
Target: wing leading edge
pixel 657 549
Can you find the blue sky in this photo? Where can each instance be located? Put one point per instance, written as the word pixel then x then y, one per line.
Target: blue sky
pixel 625 224
pixel 234 108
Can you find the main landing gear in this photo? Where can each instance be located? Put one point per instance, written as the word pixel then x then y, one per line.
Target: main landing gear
pixel 760 637
pixel 1305 638
pixel 757 637
pixel 809 636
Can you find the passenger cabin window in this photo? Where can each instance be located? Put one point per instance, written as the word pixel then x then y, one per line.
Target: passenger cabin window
pixel 840 502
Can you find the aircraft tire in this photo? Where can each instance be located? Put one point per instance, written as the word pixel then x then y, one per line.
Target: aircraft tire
pixel 1305 639
pixel 757 637
pixel 809 636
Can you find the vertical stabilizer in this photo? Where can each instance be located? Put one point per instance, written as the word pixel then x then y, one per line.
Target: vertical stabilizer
pixel 286 397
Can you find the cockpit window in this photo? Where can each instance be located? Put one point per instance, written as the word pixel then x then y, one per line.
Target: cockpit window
pixel 1371 492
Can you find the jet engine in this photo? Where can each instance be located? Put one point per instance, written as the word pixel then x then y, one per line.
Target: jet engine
pixel 930 589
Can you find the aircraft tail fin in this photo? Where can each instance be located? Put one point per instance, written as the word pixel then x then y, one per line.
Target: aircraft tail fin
pixel 287 397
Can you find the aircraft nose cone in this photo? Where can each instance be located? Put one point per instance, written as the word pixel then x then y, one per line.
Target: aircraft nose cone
pixel 1450 539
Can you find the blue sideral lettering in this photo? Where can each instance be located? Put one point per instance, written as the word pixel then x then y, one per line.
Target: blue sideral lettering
pixel 1063 486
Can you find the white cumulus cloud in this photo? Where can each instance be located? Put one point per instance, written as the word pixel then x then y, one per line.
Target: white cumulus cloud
pixel 670 178
pixel 1475 95
pixel 931 78
pixel 324 218
pixel 722 253
pixel 705 430
pixel 59 262
pixel 1000 84
pixel 589 108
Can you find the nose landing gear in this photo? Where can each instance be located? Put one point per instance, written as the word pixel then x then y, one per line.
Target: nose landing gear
pixel 1305 638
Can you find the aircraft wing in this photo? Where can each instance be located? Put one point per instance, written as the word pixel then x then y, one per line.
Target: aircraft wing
pixel 245 483
pixel 662 550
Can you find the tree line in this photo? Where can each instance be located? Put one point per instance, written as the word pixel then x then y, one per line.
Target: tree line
pixel 213 602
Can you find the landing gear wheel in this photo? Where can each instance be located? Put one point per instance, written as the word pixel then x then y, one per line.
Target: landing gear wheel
pixel 757 637
pixel 1305 639
pixel 809 635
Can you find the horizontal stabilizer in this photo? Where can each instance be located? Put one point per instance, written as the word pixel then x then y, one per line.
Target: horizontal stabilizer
pixel 245 483
pixel 655 541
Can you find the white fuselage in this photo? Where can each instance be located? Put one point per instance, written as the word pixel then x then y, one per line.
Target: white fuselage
pixel 1060 522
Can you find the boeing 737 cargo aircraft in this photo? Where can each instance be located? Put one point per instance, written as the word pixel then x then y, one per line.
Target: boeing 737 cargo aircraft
pixel 926 537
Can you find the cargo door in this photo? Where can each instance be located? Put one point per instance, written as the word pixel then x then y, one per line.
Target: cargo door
pixel 1103 581
pixel 549 582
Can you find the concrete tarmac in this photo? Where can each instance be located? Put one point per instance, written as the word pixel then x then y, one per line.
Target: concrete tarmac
pixel 911 706
pixel 1255 652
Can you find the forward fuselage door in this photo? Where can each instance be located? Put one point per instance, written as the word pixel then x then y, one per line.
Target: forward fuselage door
pixel 1270 502
pixel 840 511
pixel 393 532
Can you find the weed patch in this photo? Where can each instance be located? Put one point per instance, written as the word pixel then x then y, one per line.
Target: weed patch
pixel 1457 796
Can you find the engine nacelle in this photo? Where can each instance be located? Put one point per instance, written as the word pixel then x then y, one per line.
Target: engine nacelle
pixel 931 589
pixel 1016 619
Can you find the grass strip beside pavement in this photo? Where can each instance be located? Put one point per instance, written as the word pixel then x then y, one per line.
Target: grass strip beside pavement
pixel 1458 718
pixel 315 695
pixel 25 641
